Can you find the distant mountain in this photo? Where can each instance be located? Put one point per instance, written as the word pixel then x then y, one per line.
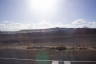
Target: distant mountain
pixel 69 30
pixel 59 29
pixel 51 36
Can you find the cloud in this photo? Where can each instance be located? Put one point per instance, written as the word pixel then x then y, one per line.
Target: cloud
pixel 43 24
pixel 46 24
pixel 13 26
pixel 80 23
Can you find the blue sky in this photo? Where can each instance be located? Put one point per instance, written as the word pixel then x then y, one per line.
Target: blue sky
pixel 64 14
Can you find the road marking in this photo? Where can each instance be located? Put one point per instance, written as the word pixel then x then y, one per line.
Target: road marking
pixel 55 62
pixel 67 62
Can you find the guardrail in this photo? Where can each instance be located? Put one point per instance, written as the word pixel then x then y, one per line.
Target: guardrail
pixel 53 61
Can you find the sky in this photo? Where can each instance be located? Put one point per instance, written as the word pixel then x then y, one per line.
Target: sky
pixel 39 14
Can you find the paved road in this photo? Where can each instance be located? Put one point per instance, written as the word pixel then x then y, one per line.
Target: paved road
pixel 47 61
